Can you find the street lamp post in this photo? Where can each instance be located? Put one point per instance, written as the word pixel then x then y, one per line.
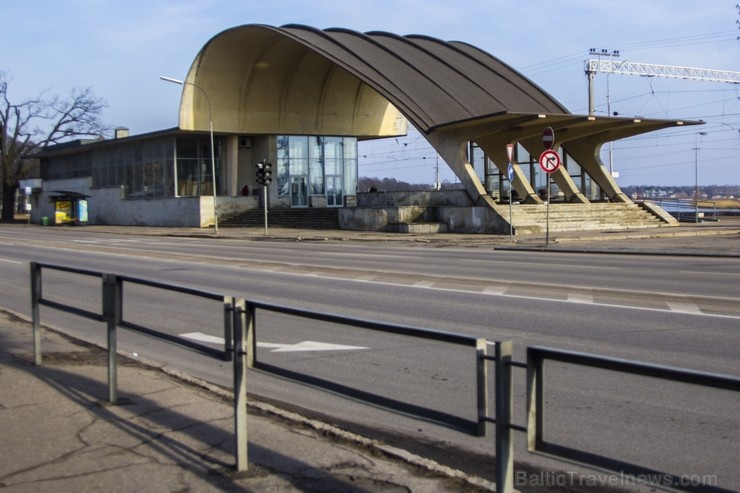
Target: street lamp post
pixel 696 175
pixel 213 154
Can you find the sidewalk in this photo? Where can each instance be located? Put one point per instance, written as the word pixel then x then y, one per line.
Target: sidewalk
pixel 169 433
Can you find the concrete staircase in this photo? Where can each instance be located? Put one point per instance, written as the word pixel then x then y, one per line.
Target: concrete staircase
pixel 532 218
pixel 310 218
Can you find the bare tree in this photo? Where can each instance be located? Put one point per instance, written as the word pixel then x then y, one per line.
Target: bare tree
pixel 33 124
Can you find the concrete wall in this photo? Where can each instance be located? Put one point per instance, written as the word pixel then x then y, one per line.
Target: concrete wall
pixel 470 220
pixel 457 198
pixel 455 219
pixel 364 219
pixel 378 218
pixel 107 206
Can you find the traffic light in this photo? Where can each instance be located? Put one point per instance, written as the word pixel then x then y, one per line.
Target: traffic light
pixel 264 172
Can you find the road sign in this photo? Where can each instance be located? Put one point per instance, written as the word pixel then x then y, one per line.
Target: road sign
pixel 510 172
pixel 549 161
pixel 548 137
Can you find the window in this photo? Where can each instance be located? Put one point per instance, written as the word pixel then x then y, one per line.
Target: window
pixel 194 166
pixel 316 160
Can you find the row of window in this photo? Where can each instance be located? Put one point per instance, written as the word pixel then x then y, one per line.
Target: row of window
pixel 143 169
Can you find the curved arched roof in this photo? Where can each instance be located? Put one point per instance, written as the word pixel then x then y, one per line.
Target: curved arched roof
pixel 298 79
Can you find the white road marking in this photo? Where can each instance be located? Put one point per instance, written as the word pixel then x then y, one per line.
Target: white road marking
pixel 10 261
pixel 366 278
pixel 495 290
pixel 424 284
pixel 684 307
pixel 277 348
pixel 201 337
pixel 581 297
pixel 307 346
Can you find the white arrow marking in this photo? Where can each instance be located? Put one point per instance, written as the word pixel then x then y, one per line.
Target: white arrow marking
pixel 277 348
pixel 307 346
pixel 201 337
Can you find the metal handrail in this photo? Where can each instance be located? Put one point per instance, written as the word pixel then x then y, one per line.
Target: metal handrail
pixel 689 208
pixel 536 357
pixel 240 342
pixel 239 316
pixel 474 427
pixel 112 314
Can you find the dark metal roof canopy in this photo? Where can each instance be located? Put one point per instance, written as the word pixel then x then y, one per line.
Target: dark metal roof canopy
pixel 432 82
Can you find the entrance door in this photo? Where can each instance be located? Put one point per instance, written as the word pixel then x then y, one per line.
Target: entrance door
pixel 334 190
pixel 298 191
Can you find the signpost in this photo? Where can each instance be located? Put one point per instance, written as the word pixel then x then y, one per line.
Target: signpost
pixel 549 162
pixel 510 174
pixel 548 138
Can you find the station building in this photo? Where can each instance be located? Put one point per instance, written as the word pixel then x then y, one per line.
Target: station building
pixel 302 98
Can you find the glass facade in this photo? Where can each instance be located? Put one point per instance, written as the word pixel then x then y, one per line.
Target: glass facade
pixel 488 173
pixel 194 167
pixel 494 181
pixel 311 166
pixel 144 169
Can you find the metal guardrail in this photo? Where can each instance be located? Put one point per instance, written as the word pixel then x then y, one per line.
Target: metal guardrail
pixel 240 329
pixel 536 357
pixel 112 314
pixel 476 428
pixel 689 210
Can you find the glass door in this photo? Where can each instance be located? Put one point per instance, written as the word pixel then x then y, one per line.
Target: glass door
pixel 298 191
pixel 334 190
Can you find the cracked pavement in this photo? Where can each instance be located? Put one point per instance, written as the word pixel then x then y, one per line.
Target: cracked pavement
pixel 169 433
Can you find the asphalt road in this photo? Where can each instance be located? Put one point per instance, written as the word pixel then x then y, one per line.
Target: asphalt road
pixel 666 310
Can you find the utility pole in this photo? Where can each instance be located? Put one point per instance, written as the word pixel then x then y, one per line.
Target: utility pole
pixel 608 66
pixel 612 54
pixel 591 73
pixel 696 175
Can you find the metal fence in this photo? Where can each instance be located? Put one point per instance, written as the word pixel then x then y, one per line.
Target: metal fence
pixel 689 210
pixel 536 358
pixel 240 329
pixel 112 314
pixel 240 335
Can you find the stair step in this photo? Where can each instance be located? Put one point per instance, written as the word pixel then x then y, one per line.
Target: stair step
pixel 289 218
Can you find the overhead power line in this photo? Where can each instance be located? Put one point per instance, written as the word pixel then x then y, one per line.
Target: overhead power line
pixel 608 66
pixel 605 63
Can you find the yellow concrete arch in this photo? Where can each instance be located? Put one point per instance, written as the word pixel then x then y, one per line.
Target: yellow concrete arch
pixel 261 82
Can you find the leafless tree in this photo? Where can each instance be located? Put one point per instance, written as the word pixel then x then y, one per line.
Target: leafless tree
pixel 33 124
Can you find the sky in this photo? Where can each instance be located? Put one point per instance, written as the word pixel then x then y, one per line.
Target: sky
pixel 119 50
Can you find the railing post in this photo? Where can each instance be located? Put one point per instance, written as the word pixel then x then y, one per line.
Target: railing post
pixel 229 316
pixel 535 400
pixel 251 317
pixel 240 386
pixel 35 312
pixel 504 405
pixel 481 348
pixel 112 291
